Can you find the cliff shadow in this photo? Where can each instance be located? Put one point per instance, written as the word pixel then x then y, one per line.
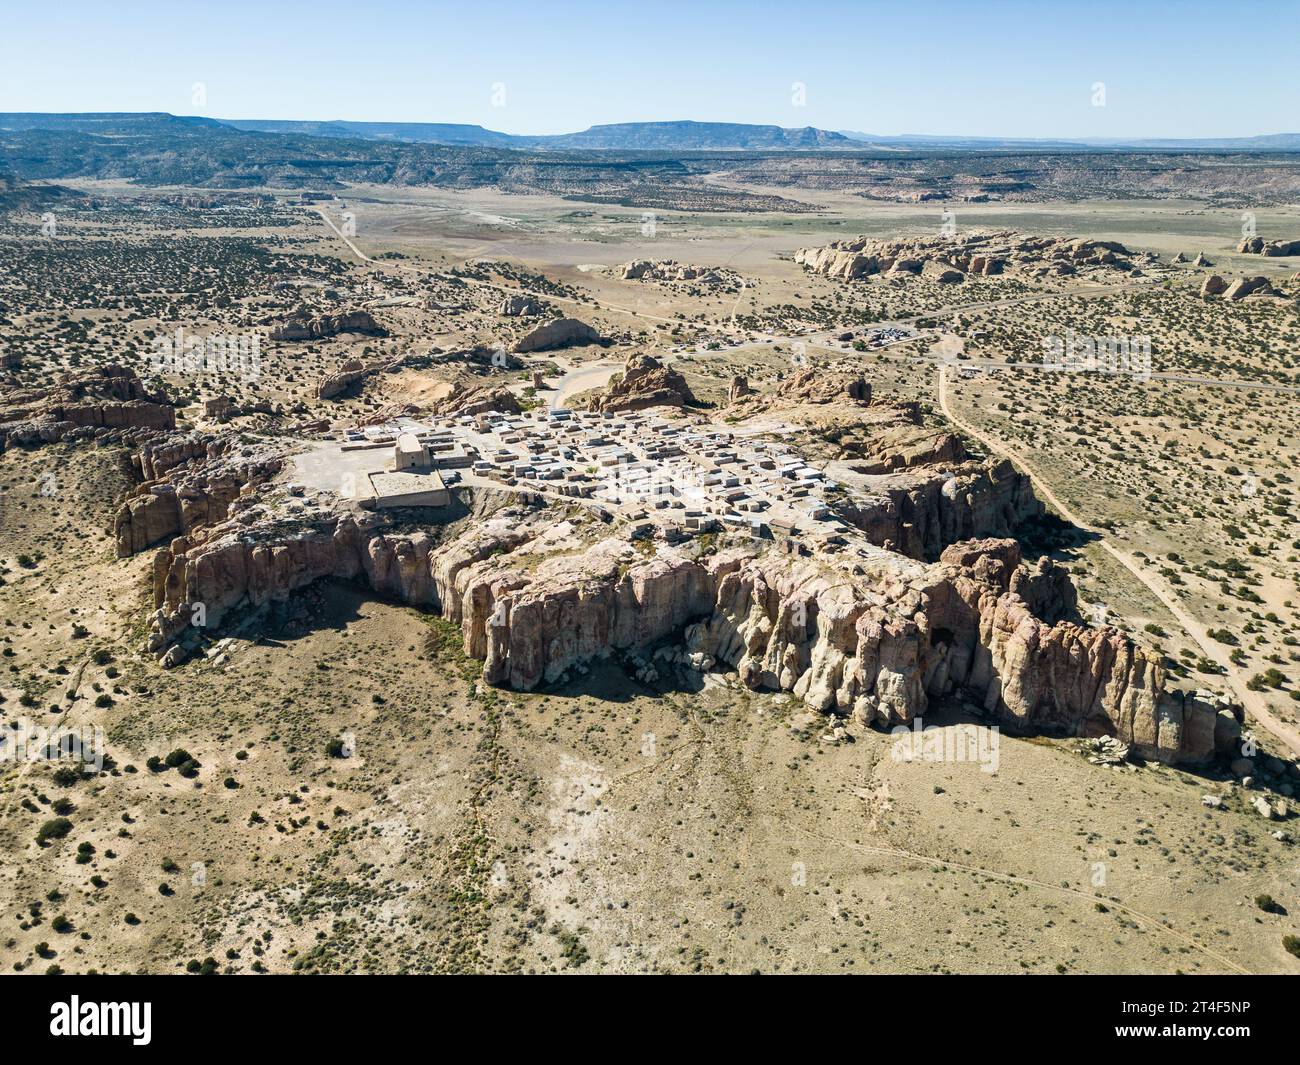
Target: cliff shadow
pixel 322 605
pixel 607 680
pixel 1052 536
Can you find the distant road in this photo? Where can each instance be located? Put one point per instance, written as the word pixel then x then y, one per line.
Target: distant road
pixel 339 233
pixel 1211 649
pixel 591 375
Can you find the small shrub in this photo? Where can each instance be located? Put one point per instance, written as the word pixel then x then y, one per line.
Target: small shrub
pixel 53 829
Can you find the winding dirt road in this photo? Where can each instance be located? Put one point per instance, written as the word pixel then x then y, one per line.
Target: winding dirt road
pixel 1254 703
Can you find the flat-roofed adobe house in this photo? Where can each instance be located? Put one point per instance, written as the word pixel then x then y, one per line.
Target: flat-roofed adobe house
pixel 409 453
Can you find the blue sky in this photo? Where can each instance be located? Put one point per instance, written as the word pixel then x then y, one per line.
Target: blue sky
pixel 999 69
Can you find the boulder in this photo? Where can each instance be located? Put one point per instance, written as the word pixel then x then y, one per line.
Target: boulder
pixel 1246 286
pixel 560 333
pixel 520 307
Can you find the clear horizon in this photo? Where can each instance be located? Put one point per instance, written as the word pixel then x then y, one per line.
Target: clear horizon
pixel 1007 70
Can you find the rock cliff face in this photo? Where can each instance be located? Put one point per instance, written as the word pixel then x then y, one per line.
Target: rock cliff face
pixel 880 644
pixel 919 513
pixel 187 482
pixel 251 559
pixel 645 382
pixel 883 651
pixel 950 259
pixel 96 402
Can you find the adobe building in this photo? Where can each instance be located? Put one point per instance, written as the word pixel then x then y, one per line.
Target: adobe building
pixel 413 481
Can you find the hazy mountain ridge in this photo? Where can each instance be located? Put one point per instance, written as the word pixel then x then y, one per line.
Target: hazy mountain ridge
pixel 631 136
pixel 164 149
pixel 621 136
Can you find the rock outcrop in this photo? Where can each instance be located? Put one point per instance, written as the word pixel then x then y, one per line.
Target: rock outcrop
pixel 108 399
pixel 826 386
pixel 671 270
pixel 880 645
pixel 1270 248
pixel 1213 285
pixel 813 387
pixel 478 399
pixel 189 482
pixel 342 379
pixel 645 382
pixel 1248 286
pixel 738 389
pixel 919 512
pixel 949 629
pixel 952 259
pixel 520 307
pixel 560 333
pixel 303 326
pixel 351 373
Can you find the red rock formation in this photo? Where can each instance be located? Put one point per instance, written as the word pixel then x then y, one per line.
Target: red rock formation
pixel 94 402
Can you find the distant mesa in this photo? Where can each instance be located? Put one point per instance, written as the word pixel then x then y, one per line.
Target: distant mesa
pixel 302 326
pixel 560 333
pixel 622 136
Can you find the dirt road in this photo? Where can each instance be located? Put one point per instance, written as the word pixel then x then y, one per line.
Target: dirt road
pixel 1254 703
